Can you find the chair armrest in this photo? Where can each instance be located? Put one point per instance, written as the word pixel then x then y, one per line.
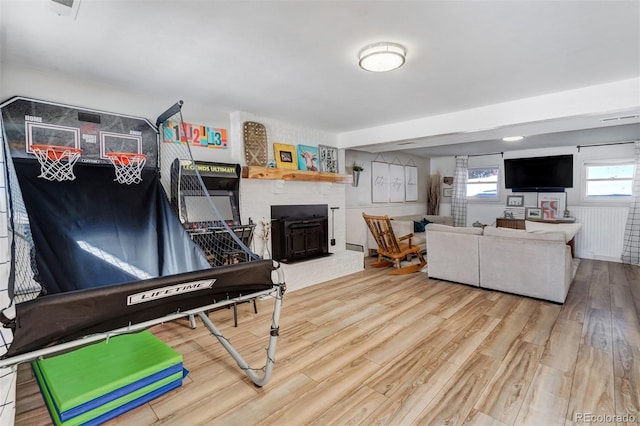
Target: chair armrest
pixel 404 237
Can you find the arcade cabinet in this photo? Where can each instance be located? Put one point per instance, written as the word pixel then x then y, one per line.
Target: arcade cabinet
pixel 205 227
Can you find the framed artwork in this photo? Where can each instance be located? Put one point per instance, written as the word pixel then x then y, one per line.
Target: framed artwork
pixel 379 182
pixel 308 158
pixel 515 200
pixel 533 213
pixel 328 158
pixel 396 183
pixel 553 204
pixel 447 192
pixel 286 156
pixel 410 183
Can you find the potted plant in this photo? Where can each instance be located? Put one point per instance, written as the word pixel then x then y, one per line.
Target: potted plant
pixel 355 170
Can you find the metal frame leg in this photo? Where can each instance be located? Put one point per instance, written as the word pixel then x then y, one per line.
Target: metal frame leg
pixel 271 349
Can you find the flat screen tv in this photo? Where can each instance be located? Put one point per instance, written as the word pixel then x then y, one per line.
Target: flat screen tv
pixel 553 173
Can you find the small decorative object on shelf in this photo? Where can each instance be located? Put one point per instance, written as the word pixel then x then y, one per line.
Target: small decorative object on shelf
pixel 255 143
pixel 328 159
pixel 356 169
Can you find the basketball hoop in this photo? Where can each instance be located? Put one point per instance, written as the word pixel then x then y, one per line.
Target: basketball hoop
pixel 128 166
pixel 56 162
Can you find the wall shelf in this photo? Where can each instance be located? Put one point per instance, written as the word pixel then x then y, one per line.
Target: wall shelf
pixel 258 172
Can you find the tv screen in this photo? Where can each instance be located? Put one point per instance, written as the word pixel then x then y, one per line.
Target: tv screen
pixel 539 173
pixel 199 209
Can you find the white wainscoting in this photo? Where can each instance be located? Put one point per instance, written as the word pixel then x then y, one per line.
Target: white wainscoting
pixel 602 233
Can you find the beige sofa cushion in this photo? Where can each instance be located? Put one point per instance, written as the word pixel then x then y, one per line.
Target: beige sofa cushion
pixel 521 233
pixel 455 230
pixel 568 229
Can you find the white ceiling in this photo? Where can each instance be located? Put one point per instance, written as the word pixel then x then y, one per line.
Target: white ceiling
pixel 297 61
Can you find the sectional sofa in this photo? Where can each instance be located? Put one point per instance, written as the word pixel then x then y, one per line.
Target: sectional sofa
pixel 534 264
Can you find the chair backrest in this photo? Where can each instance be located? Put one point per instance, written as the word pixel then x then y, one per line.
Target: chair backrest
pixel 382 231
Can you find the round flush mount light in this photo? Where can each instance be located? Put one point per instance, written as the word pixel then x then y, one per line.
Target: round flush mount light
pixel 381 57
pixel 513 138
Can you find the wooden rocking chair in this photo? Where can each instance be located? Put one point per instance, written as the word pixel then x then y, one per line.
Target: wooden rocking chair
pixel 392 250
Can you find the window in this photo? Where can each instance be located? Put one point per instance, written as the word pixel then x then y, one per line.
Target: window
pixel 609 179
pixel 482 182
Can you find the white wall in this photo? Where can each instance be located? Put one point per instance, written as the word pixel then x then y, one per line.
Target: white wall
pixel 358 199
pixel 603 222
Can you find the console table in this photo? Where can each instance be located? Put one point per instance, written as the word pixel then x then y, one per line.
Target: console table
pixel 502 222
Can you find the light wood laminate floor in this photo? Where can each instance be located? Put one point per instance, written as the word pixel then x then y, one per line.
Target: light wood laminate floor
pixel 374 348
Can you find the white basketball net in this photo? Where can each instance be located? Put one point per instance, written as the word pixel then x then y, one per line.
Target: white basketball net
pixel 128 166
pixel 56 163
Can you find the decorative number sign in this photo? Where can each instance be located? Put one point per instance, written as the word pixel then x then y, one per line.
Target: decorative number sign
pixel 207 137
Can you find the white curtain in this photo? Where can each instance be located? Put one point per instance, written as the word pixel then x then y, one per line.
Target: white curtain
pixel 459 196
pixel 631 246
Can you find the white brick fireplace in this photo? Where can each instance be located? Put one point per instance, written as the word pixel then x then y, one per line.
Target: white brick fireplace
pixel 258 195
pixel 256 198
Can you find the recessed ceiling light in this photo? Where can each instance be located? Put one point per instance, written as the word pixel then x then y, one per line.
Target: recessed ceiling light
pixel 513 138
pixel 381 57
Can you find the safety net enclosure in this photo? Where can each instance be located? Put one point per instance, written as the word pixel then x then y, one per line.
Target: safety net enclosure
pixel 95 246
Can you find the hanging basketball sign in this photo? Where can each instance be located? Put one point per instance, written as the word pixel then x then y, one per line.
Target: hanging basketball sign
pixel 202 136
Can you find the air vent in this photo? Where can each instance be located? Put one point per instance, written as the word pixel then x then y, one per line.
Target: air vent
pixel 623 117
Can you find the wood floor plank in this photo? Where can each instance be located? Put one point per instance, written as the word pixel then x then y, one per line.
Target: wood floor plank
pixel 467 341
pixel 312 404
pixel 478 418
pixel 575 306
pixel 414 362
pixel 504 335
pixel 626 370
pixel 593 385
pixel 561 349
pixel 407 401
pixel 505 393
pixel 353 410
pixel 443 352
pixel 455 401
pixel 597 331
pixel 547 398
pixel 541 321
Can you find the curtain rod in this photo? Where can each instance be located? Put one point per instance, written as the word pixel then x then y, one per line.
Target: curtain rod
pixel 482 155
pixel 604 144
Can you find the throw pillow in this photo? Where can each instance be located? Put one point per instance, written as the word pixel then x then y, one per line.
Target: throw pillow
pixel 418 226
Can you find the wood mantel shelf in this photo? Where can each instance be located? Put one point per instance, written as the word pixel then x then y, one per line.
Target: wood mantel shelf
pixel 257 172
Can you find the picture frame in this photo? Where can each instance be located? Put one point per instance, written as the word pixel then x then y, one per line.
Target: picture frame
pixel 308 158
pixel 396 183
pixel 411 183
pixel 379 182
pixel 515 200
pixel 447 192
pixel 533 213
pixel 553 204
pixel 286 156
pixel 328 158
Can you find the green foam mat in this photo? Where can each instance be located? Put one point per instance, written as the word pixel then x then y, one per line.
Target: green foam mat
pixel 91 372
pixel 113 408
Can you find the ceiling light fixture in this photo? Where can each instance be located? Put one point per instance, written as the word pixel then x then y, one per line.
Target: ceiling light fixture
pixel 513 138
pixel 381 57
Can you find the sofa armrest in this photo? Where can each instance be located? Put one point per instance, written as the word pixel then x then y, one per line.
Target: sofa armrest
pixel 534 268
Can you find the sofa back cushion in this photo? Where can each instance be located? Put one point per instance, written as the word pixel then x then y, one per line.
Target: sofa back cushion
pixel 456 230
pixel 521 233
pixel 569 229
